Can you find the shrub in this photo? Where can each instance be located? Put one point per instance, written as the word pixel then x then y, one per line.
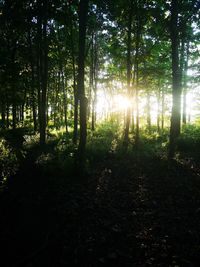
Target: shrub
pixel 102 141
pixel 189 141
pixel 8 160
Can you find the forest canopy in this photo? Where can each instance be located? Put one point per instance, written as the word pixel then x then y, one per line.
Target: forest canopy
pixel 67 66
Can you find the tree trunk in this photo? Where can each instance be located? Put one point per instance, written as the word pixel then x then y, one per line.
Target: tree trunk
pixel 91 85
pixel 33 104
pixel 14 113
pixel 44 86
pixel 94 105
pixel 163 110
pixel 75 131
pixel 7 116
pixel 176 81
pixel 128 69
pixel 95 79
pixel 91 79
pixel 184 115
pixel 158 111
pixel 43 70
pixel 83 10
pixel 22 107
pixel 138 32
pixel 65 102
pixel 3 116
pixel 13 84
pixel 148 112
pixel 39 61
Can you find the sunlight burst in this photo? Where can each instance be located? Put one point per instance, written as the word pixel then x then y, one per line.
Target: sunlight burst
pixel 121 102
pixel 106 104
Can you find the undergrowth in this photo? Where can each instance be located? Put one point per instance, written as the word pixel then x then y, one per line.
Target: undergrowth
pixel 188 143
pixel 106 140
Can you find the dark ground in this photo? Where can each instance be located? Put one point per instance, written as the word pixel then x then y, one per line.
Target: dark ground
pixel 127 213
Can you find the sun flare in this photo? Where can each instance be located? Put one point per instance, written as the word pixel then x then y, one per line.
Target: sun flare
pixel 121 102
pixel 107 104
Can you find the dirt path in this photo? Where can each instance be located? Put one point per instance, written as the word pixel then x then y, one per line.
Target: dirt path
pixel 128 214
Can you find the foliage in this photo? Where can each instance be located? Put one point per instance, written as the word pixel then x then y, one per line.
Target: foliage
pixel 31 140
pixel 65 153
pixel 8 160
pixel 189 141
pixel 31 29
pixel 154 144
pixel 102 141
pixel 151 145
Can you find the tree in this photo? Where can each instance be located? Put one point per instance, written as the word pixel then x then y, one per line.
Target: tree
pixel 129 67
pixel 83 9
pixel 178 31
pixel 176 81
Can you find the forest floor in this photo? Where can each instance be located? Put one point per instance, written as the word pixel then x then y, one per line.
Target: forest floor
pixel 127 212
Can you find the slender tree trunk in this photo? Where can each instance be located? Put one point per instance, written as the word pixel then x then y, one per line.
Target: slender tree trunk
pixel 158 111
pixel 39 61
pixel 7 116
pixel 47 110
pixel 44 76
pixel 133 108
pixel 94 105
pixel 184 115
pixel 22 113
pixel 128 68
pixel 83 10
pixel 91 86
pixel 56 102
pixel 33 104
pixel 163 110
pixel 75 89
pixel 13 82
pixel 65 102
pixel 95 79
pixel 3 116
pixel 22 107
pixel 34 110
pixel 43 104
pixel 14 112
pixel 176 82
pixel 137 77
pixel 75 132
pixel 91 98
pixel 148 112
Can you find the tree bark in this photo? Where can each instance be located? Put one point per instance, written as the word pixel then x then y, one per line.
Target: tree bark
pixel 163 110
pixel 3 116
pixel 75 130
pixel 148 112
pixel 138 32
pixel 13 84
pixel 39 60
pixel 83 10
pixel 7 115
pixel 184 115
pixel 176 80
pixel 158 111
pixel 65 102
pixel 33 104
pixel 43 71
pixel 95 79
pixel 128 69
